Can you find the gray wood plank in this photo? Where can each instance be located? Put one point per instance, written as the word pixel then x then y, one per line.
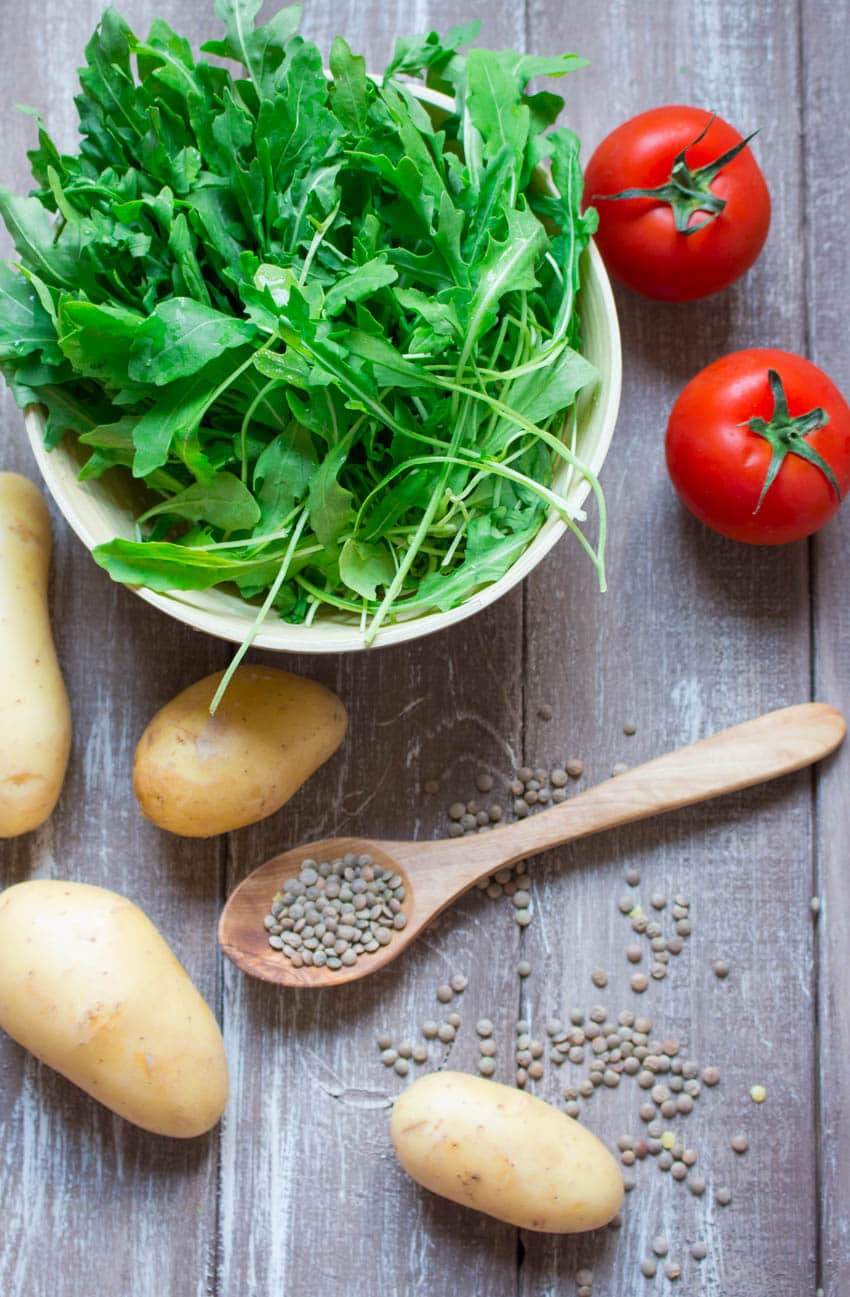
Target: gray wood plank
pixel 311 1192
pixel 696 633
pixel 89 1203
pixel 825 52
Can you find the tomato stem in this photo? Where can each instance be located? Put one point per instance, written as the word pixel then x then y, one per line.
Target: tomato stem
pixel 785 433
pixel 688 191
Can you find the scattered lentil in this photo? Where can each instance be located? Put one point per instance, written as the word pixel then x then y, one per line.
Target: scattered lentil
pixel 699 1251
pixel 384 1042
pixel 446 1033
pixel 431 786
pixel 723 1195
pixel 457 810
pixel 814 905
pixel 523 968
pixel 696 1184
pixel 430 1029
pixel 487 1048
pixel 420 1054
pixel 758 1093
pixel 648 1267
pixel 545 712
pixel 634 954
pixel 678 1171
pixel 484 1027
pixel 388 1057
pixel 619 769
pixel 401 1066
pixel 721 968
pixel 740 1143
pixel 445 993
pixel 632 877
pixel 639 982
pixel 672 1270
pixel 575 768
pixel 486 1066
pixel 599 977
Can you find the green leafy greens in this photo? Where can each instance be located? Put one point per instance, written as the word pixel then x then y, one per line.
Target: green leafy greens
pixel 332 332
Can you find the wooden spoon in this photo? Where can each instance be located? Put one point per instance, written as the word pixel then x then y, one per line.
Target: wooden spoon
pixel 435 873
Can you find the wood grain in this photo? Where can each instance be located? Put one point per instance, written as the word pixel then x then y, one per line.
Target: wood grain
pixel 299 1191
pixel 825 53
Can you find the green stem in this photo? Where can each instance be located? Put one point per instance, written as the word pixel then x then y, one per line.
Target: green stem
pixel 261 615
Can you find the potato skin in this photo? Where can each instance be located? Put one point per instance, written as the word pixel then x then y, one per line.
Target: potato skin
pixel 90 987
pixel 506 1153
pixel 199 775
pixel 35 718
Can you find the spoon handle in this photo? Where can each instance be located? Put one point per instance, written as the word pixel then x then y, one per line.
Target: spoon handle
pixel 771 745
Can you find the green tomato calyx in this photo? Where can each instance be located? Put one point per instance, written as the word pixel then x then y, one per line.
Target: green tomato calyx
pixel 786 434
pixel 689 192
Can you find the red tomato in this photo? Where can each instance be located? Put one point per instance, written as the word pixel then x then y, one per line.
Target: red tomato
pixel 701 227
pixel 758 446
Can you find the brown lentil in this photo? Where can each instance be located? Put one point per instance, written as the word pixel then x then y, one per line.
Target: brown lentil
pixel 648 1267
pixel 696 1184
pixel 699 1251
pixel 721 968
pixel 723 1195
pixel 639 982
pixel 672 1270
pixel 740 1143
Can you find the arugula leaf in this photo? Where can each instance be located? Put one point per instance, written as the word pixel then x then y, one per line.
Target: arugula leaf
pixel 364 567
pixel 359 283
pixel 349 90
pixel 181 337
pixel 282 475
pixel 162 566
pixel 225 503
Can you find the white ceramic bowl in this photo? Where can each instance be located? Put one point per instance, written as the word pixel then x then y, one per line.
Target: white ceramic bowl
pixel 97 513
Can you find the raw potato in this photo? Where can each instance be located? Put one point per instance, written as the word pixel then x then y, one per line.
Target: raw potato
pixel 199 775
pixel 506 1153
pixel 35 719
pixel 90 987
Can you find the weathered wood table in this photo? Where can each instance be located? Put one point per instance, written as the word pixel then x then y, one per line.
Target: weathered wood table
pixel 297 1192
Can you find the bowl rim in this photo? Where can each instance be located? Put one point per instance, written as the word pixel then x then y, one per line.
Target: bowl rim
pixel 339 637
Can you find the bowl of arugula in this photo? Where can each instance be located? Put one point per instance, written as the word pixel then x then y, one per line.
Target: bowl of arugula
pixel 310 358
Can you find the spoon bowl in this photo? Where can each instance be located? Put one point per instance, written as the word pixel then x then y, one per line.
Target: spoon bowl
pixel 436 873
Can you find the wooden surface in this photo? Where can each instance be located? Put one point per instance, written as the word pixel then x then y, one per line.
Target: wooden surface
pixel 297 1192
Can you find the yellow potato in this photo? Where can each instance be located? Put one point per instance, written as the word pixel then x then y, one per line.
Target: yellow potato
pixel 506 1153
pixel 199 775
pixel 35 719
pixel 90 987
